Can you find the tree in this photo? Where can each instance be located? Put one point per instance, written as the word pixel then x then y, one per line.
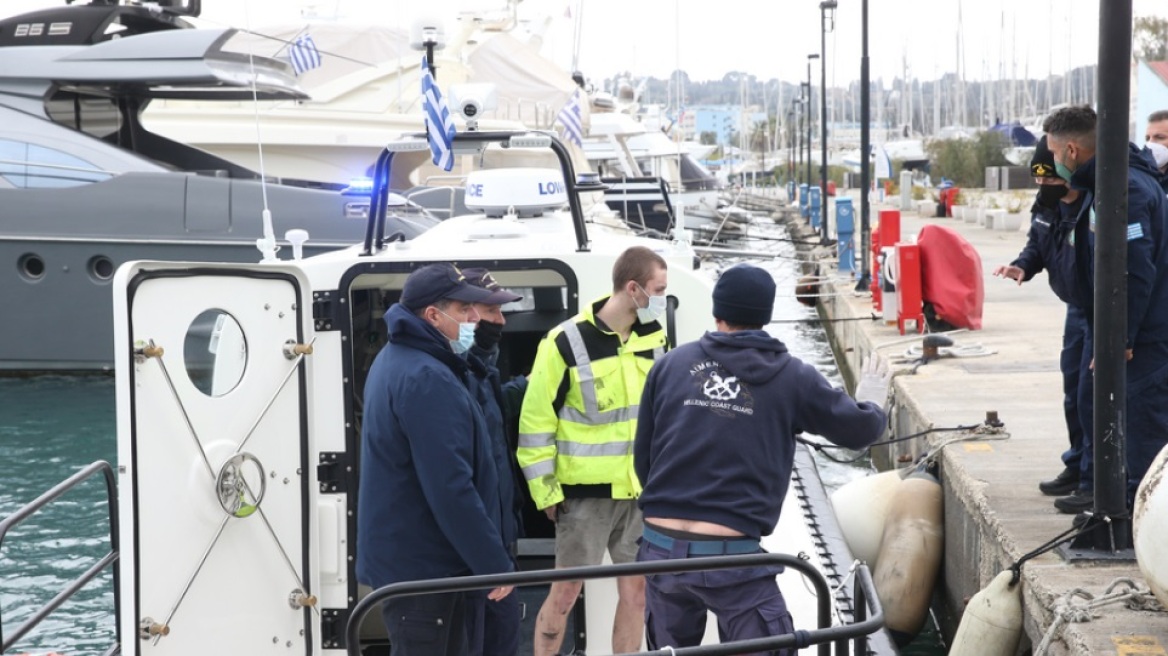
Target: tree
pixel 964 161
pixel 708 138
pixel 1151 38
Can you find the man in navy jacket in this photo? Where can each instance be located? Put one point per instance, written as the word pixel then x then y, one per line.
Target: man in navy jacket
pixel 428 505
pixel 1071 136
pixel 714 450
pixel 1050 245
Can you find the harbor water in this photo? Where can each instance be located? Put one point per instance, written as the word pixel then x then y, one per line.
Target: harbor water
pixel 52 426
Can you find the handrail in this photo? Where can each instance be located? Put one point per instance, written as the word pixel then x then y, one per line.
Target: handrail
pixel 80 582
pixel 822 636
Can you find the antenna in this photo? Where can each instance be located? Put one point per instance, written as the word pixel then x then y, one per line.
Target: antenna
pixel 266 244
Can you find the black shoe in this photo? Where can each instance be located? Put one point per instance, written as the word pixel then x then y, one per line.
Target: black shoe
pixel 1065 483
pixel 1079 501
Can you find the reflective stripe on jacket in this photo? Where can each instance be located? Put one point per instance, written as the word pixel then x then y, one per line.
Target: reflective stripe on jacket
pixel 579 414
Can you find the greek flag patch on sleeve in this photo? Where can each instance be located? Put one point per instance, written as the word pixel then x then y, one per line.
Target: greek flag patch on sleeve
pixel 1134 231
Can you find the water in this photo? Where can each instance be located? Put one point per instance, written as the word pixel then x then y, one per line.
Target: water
pixel 49 428
pixel 52 426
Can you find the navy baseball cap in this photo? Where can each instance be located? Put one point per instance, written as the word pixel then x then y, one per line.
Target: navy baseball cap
pixel 435 282
pixel 480 277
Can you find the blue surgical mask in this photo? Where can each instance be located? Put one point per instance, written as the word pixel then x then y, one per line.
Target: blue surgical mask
pixel 466 333
pixel 653 310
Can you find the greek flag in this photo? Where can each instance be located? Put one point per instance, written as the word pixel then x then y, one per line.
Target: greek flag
pixel 571 118
pixel 439 124
pixel 304 54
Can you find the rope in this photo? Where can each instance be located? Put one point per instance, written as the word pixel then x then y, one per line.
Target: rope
pixel 1067 609
pixel 819 446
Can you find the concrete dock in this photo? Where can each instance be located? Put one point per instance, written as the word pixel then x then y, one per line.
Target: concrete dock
pixel 994 512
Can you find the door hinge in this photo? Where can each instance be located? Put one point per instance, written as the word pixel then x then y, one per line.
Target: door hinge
pixel 332 627
pixel 333 472
pixel 326 310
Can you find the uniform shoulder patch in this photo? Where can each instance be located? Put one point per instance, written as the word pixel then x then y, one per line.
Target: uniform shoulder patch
pixel 1134 231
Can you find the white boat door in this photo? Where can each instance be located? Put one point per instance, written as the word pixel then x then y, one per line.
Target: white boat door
pixel 213 447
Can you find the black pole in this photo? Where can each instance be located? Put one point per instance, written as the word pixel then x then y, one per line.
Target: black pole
pixel 864 280
pixel 823 8
pixel 1115 18
pixel 799 136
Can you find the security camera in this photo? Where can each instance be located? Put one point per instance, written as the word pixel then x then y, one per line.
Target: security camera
pixel 470 100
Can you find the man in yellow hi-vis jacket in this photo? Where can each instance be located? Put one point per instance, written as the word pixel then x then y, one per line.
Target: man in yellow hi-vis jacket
pixel 576 435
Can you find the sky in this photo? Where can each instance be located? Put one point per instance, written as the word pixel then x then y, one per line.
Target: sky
pixel 766 38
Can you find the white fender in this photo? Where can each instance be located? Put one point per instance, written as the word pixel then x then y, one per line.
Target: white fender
pixel 1150 526
pixel 992 623
pixel 910 555
pixel 861 506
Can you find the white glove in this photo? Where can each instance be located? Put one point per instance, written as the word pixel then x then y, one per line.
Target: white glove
pixel 874 379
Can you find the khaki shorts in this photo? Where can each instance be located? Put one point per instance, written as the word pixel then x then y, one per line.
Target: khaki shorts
pixel 589 526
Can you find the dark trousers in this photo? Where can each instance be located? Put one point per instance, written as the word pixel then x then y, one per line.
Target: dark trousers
pixel 426 625
pixel 747 602
pixel 1074 362
pixel 492 627
pixel 1146 430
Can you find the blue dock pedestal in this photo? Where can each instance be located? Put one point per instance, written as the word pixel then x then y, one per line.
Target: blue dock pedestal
pixel 803 203
pixel 815 195
pixel 845 228
pixel 790 191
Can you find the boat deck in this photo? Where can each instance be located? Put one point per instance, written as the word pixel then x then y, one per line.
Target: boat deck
pixel 994 512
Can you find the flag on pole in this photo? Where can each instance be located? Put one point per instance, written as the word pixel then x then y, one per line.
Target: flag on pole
pixel 439 124
pixel 304 54
pixel 571 118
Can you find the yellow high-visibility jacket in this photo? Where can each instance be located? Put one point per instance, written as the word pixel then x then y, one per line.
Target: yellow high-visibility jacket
pixel 579 413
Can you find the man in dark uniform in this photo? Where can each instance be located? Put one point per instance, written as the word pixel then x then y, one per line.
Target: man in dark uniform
pixel 714 450
pixel 1050 245
pixel 1071 136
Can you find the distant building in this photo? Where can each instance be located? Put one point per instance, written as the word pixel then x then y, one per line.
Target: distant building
pixel 725 121
pixel 1151 94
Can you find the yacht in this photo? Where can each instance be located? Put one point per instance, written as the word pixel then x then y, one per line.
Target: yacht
pixel 84 186
pixel 239 393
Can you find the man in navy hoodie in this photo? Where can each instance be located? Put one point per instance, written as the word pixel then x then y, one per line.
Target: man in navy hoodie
pixel 1071 136
pixel 428 505
pixel 714 449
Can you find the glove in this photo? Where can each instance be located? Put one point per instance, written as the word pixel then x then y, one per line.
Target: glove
pixel 874 379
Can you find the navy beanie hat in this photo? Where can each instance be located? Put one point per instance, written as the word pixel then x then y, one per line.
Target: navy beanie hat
pixel 744 295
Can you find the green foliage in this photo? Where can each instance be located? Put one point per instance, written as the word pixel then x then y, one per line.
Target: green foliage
pixel 964 161
pixel 708 138
pixel 1151 38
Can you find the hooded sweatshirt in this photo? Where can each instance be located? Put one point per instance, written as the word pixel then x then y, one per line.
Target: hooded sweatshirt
pixel 428 505
pixel 717 424
pixel 1147 246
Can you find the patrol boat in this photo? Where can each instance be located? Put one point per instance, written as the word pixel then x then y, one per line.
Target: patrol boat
pixel 239 410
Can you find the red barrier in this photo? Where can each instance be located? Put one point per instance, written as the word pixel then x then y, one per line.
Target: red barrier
pixel 908 287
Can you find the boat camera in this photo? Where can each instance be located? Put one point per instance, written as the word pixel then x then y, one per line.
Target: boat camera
pixel 472 99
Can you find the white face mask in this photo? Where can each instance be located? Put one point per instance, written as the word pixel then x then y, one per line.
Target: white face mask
pixel 653 310
pixel 466 332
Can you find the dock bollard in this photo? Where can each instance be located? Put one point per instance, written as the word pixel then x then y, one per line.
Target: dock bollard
pixel 803 202
pixel 845 228
pixel 815 196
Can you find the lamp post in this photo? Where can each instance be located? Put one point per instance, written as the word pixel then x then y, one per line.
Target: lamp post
pixel 804 104
pixel 791 141
pixel 809 115
pixel 864 280
pixel 826 11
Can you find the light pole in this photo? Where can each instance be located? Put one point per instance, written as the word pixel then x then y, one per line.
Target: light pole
pixel 826 11
pixel 809 116
pixel 865 278
pixel 804 104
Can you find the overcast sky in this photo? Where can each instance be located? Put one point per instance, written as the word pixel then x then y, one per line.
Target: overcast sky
pixel 767 38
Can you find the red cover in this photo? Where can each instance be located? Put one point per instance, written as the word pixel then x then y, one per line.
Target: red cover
pixel 951 277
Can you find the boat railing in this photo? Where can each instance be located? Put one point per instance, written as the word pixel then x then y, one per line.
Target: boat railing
pixel 869 615
pixel 109 560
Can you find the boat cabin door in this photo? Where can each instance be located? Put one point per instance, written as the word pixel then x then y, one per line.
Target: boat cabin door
pixel 212 423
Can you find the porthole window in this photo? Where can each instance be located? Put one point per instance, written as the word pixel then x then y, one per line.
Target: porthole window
pixel 101 268
pixel 31 267
pixel 215 352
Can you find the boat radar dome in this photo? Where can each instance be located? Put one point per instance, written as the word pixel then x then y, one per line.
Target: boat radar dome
pixel 529 192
